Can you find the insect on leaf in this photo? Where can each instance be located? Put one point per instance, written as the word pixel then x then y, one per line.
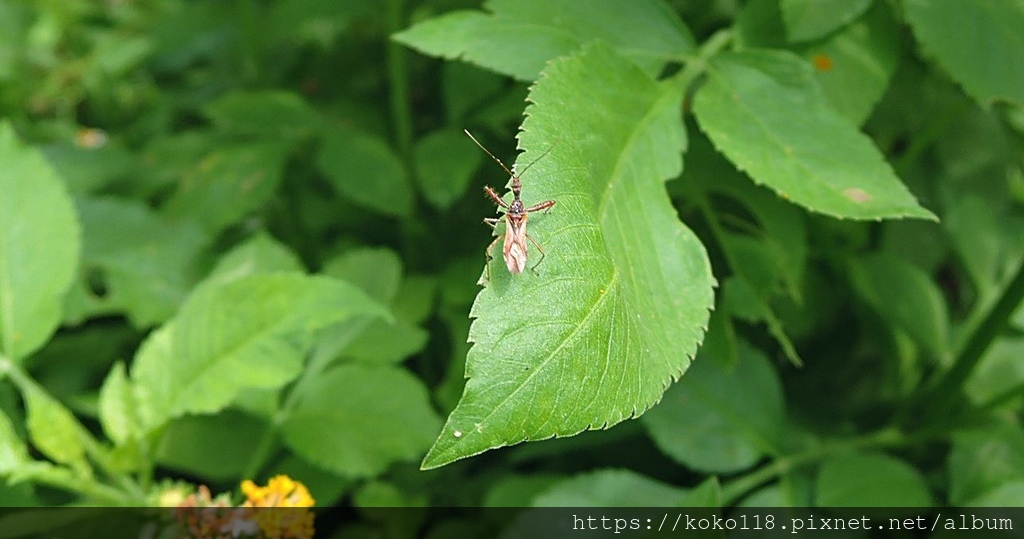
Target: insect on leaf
pixel 622 299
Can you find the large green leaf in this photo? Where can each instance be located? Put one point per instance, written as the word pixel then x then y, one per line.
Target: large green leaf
pixel 979 43
pixel 518 36
pixel 622 298
pixel 246 333
pixel 357 420
pixel 767 114
pixel 39 245
pixel 721 419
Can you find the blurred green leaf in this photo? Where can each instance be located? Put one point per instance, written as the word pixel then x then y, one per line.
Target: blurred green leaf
pixel 979 43
pixel 906 297
pixel 468 88
pixel 247 333
pixel 266 113
pixel 378 272
pixel 855 65
pixel 870 480
pixel 999 373
pixel 518 490
pixel 53 429
pixel 375 270
pixel 623 295
pixel 740 298
pixel 87 170
pixel 816 158
pixel 721 419
pixel 117 410
pixel 147 262
pixel 217 446
pixel 811 19
pixel 227 184
pixel 610 488
pixel 1009 494
pixel 13 451
pixel 517 37
pixel 983 459
pixel 366 170
pixel 39 247
pixel 445 163
pixel 259 254
pixel 357 420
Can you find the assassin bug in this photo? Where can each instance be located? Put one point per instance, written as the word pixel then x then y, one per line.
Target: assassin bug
pixel 514 248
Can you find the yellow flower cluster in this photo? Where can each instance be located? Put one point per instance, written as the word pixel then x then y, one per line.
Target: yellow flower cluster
pixel 276 511
pixel 281 491
pixel 281 515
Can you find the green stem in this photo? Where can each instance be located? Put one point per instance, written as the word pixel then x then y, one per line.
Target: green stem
pixel 741 486
pixel 251 41
pixel 398 81
pixel 937 401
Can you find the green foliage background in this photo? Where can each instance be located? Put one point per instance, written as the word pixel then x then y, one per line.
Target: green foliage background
pixel 243 238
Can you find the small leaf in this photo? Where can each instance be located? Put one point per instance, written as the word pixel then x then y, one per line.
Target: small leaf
pixel 117 408
pixel 445 162
pixel 364 169
pixel 906 297
pixel 1009 494
pixel 721 419
pixel 811 19
pixel 815 158
pixel 518 37
pixel 741 299
pixel 357 420
pixel 854 66
pixel 228 183
pixel 610 488
pixel 247 333
pixel 999 372
pixel 870 480
pixel 13 451
pixel 623 295
pixel 53 429
pixel 983 459
pixel 39 247
pixel 978 42
pixel 374 270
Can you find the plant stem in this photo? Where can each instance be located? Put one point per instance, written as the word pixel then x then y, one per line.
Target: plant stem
pixel 398 81
pixel 937 400
pixel 741 486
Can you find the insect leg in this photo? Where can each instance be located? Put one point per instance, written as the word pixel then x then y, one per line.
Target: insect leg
pixel 546 206
pixel 542 253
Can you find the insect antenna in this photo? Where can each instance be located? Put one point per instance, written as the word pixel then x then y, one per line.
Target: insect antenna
pixel 489 153
pixel 552 147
